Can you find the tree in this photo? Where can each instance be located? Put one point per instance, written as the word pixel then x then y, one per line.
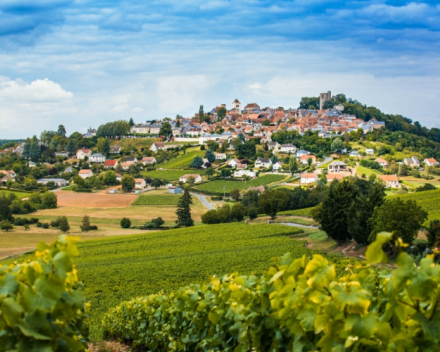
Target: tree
pixel 131 122
pixel 201 114
pixel 49 200
pixel 293 165
pixel 166 130
pixel 309 103
pixel 246 150
pixel 110 178
pixel 156 183
pixel 34 151
pixel 71 147
pixel 251 199
pixel 309 161
pixel 178 123
pixel 210 171
pixel 197 162
pixel 252 213
pixel 64 224
pixel 210 155
pixel 202 147
pixel 272 201
pixel 235 194
pixel 78 180
pixel 360 212
pixel 225 172
pixel 403 218
pixel 210 217
pixel 127 183
pixel 266 122
pixel 158 222
pixel 221 113
pixel 26 150
pixel 238 211
pixel 85 224
pixel 333 214
pixel 61 131
pixel 5 211
pixel 183 211
pixel 426 187
pixel 433 233
pixel 6 225
pixel 337 145
pixel 125 223
pixel 103 145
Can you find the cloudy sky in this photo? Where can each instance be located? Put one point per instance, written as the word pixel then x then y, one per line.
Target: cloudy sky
pixel 82 63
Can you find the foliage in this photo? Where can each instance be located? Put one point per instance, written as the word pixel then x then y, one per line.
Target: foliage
pixel 85 224
pixel 309 103
pixel 221 112
pixel 370 164
pixel 272 201
pixel 197 162
pixel 42 304
pixel 433 233
pixel 6 225
pixel 300 304
pixel 183 211
pixel 125 223
pixel 127 183
pixel 426 187
pixel 113 129
pixel 64 224
pixel 210 155
pixel 337 144
pixel 49 200
pixel 157 199
pixel 235 194
pixel 225 214
pixel 246 150
pixel 404 218
pixel 166 130
pixel 217 185
pixel 171 175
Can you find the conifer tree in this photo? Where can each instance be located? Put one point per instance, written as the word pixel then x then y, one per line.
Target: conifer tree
pixel 85 226
pixel 183 211
pixel 210 155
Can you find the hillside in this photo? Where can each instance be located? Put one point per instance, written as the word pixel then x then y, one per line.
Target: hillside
pixel 428 200
pixel 117 269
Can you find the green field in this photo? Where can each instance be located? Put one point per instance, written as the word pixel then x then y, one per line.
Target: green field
pixel 171 175
pixel 182 161
pixel 428 200
pixel 20 195
pixel 364 170
pixel 119 268
pixel 297 212
pixel 217 185
pixel 157 199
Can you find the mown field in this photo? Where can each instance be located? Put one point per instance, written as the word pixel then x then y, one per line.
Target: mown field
pixel 360 170
pixel 119 268
pixel 19 195
pixel 217 185
pixel 157 199
pixel 298 212
pixel 182 161
pixel 171 175
pixel 428 200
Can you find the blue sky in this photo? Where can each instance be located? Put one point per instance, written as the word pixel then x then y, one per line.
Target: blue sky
pixel 82 62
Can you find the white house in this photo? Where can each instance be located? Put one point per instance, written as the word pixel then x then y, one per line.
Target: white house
pixel 233 162
pixel 148 160
pixel 220 156
pixel 157 146
pixel 287 148
pixel 82 153
pixel 337 166
pixel 382 162
pixel 241 173
pixel 273 145
pixel 86 173
pixel 263 162
pixel 139 183
pixel 309 178
pixel 97 158
pixel 391 181
pixel 32 164
pixel 412 162
pixel 115 149
pixel 197 178
pixel 369 151
pixel 119 177
pixel 277 166
pixel 60 182
pixel 301 152
pixel 430 162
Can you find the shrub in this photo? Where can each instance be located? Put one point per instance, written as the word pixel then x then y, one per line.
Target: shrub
pixel 6 225
pixel 45 225
pixel 42 306
pixel 93 227
pixel 33 220
pixel 55 223
pixel 20 222
pixel 125 223
pixel 39 224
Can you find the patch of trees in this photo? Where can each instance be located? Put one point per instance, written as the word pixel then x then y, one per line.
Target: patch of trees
pixel 115 129
pixel 225 213
pixel 370 164
pixel 426 187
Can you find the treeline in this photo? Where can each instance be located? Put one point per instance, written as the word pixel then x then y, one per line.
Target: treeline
pixel 115 129
pixel 10 204
pixel 269 202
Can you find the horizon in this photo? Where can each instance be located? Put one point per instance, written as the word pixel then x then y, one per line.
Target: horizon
pixel 81 63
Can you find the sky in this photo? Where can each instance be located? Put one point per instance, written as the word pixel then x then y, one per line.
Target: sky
pixel 82 63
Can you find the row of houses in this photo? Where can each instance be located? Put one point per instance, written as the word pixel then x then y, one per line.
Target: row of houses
pixel 391 181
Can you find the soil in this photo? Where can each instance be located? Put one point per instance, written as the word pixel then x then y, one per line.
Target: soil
pixel 95 200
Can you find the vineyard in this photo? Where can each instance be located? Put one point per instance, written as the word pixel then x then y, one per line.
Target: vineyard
pixel 298 212
pixel 165 199
pixel 217 185
pixel 171 175
pixel 117 269
pixel 428 200
pixel 182 161
pixel 19 195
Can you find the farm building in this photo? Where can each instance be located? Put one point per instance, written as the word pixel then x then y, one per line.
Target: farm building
pixel 391 181
pixel 139 183
pixel 60 182
pixel 86 173
pixel 197 178
pixel 308 178
pixel 175 190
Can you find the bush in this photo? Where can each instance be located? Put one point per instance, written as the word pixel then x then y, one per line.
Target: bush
pixel 6 225
pixel 39 224
pixel 55 223
pixel 93 227
pixel 20 222
pixel 125 223
pixel 45 225
pixel 42 305
pixel 33 220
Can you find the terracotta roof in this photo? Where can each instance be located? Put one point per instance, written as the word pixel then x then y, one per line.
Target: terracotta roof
pixel 148 158
pixel 110 162
pixel 386 178
pixel 159 144
pixel 85 151
pixel 308 175
pixel 139 180
pixel 85 171
pixel 431 160
pixel 334 176
pixel 306 157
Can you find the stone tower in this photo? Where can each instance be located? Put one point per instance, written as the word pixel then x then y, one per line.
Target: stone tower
pixel 323 97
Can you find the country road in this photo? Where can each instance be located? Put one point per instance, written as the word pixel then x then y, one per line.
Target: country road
pixel 204 201
pixel 297 225
pixel 326 160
